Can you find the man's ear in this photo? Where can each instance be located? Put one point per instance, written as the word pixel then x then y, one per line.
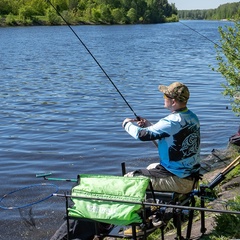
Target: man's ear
pixel 174 102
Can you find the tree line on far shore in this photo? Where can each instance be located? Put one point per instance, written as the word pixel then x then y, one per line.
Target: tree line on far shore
pixel 225 11
pixel 27 12
pixel 40 12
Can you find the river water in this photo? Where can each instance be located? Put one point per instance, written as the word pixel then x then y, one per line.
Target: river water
pixel 61 114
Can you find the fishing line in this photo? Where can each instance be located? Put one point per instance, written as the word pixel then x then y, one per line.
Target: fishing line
pixel 215 155
pixel 234 55
pixel 199 34
pixel 100 66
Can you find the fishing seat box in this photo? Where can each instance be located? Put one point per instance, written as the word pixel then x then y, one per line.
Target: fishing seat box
pixel 120 201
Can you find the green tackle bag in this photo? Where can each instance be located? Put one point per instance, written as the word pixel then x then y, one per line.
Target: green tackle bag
pixel 116 188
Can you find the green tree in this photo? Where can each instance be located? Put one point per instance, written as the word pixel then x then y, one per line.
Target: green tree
pixel 82 5
pixel 106 14
pixel 26 12
pixel 225 11
pixel 228 57
pixel 118 16
pixel 96 15
pixel 5 7
pixel 61 5
pixel 14 6
pixel 156 12
pixel 72 4
pixel 10 20
pixel 88 11
pixel 53 17
pixel 39 6
pixel 132 15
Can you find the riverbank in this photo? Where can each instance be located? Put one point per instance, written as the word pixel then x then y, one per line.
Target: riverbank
pixel 226 190
pixel 15 21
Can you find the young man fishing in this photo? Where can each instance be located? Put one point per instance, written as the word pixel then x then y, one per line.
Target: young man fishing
pixel 178 136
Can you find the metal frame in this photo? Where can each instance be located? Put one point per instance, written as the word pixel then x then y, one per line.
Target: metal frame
pixel 187 204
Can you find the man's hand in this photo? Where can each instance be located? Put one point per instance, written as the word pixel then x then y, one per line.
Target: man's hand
pixel 128 120
pixel 142 122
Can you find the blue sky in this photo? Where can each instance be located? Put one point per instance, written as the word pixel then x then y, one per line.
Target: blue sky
pixel 198 4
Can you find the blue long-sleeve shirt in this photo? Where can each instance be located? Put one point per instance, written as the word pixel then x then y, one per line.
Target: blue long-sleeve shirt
pixel 178 137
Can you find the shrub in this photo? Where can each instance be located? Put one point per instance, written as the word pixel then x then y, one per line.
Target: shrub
pixel 228 225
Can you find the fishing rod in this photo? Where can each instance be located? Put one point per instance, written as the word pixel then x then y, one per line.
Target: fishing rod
pixel 94 58
pixel 221 176
pixel 182 207
pixel 97 62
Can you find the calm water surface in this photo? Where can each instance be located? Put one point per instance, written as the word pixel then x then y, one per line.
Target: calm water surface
pixel 60 114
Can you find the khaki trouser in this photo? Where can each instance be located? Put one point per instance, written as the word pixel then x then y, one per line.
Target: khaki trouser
pixel 168 184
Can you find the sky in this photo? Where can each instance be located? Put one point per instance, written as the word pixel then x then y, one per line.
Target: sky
pixel 198 4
